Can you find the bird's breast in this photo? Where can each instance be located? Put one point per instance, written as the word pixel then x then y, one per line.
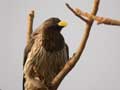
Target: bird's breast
pixel 53 42
pixel 45 63
pixel 47 56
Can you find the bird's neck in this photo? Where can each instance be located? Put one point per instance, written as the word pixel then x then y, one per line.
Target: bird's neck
pixel 53 41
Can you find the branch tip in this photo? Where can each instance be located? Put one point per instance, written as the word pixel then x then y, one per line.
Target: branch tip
pixel 29 26
pixel 75 13
pixel 31 14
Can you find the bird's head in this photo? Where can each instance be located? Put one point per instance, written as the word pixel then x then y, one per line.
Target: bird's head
pixel 54 24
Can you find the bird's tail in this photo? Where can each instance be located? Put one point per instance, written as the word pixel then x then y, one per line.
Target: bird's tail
pixel 23 83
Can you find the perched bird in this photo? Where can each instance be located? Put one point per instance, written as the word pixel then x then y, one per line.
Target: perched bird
pixel 45 55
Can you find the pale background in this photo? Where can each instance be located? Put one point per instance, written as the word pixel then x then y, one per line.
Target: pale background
pixel 99 66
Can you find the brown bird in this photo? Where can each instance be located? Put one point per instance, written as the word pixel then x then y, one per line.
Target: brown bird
pixel 45 55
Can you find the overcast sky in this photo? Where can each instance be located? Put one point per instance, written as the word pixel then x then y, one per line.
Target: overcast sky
pixel 99 66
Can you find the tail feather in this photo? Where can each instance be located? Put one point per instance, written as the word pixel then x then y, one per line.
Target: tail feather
pixel 23 83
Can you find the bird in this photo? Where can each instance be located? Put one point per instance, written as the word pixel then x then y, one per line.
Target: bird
pixel 45 55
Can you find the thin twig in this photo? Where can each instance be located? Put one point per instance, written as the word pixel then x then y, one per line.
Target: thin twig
pixel 79 16
pixel 30 26
pixel 71 63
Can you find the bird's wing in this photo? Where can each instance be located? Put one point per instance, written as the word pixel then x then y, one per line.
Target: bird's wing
pixel 29 45
pixel 67 49
pixel 26 51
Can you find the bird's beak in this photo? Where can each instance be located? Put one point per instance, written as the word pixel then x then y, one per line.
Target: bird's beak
pixel 62 23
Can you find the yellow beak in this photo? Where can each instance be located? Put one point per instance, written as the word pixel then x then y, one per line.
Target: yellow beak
pixel 62 23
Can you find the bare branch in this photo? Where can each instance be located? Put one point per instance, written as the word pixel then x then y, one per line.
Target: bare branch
pixel 95 7
pixel 100 20
pixel 30 26
pixel 79 16
pixel 71 63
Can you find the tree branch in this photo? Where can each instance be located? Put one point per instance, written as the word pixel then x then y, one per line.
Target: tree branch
pixel 71 63
pixel 100 20
pixel 29 26
pixel 79 16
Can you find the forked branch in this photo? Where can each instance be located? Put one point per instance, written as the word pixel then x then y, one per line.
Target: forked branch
pixel 100 20
pixel 74 59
